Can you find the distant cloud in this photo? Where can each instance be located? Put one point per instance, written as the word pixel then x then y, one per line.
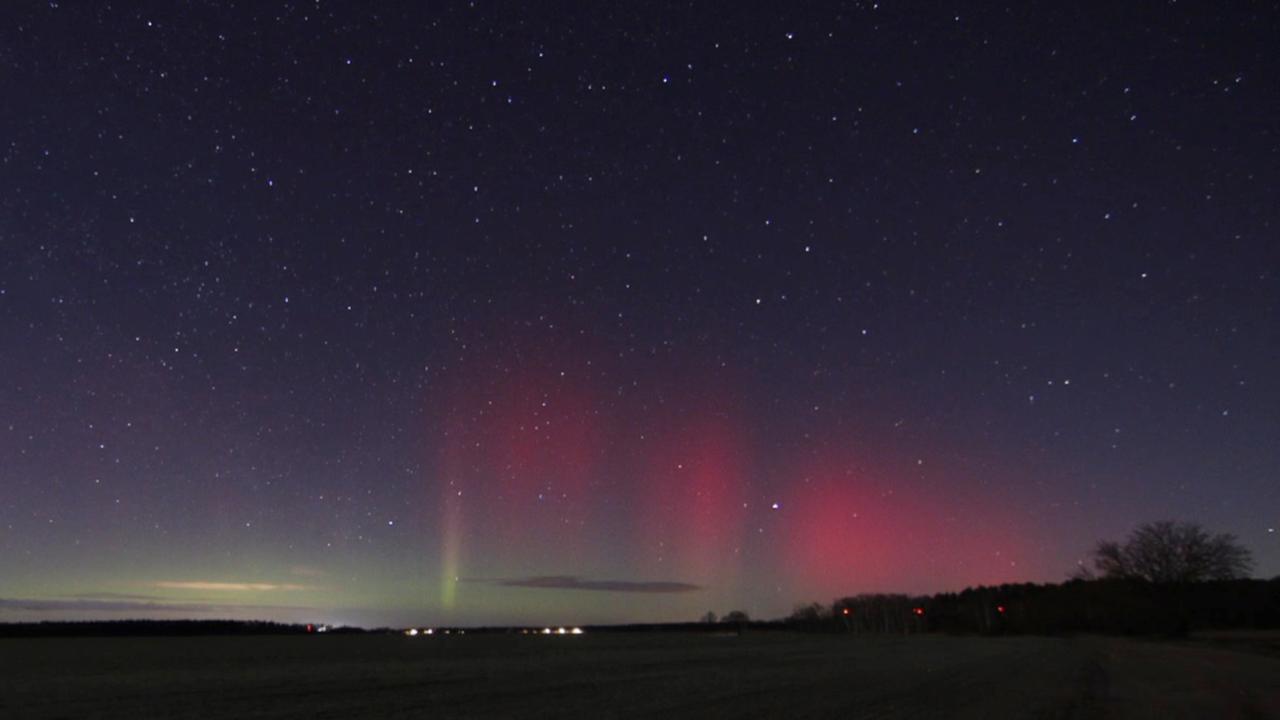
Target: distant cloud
pixel 128 606
pixel 307 571
pixel 227 586
pixel 114 596
pixel 572 582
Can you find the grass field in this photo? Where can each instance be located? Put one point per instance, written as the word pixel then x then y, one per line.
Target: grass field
pixel 645 675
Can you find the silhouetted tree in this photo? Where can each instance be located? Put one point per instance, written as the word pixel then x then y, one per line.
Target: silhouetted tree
pixel 1172 552
pixel 812 616
pixel 709 618
pixel 735 617
pixel 811 612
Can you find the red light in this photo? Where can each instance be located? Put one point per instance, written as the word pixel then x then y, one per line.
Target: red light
pixel 918 611
pixel 845 611
pixel 1000 609
pixel 311 628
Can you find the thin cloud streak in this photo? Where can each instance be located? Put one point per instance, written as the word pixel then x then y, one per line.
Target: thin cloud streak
pixel 572 582
pixel 114 596
pixel 132 606
pixel 227 586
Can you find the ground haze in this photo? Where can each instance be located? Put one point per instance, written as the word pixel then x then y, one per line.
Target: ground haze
pixel 626 675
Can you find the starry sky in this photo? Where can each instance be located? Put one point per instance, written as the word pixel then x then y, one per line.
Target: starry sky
pixel 593 312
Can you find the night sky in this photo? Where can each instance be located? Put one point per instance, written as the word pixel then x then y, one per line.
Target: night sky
pixel 479 313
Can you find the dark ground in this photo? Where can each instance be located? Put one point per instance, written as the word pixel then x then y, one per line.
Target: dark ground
pixel 659 675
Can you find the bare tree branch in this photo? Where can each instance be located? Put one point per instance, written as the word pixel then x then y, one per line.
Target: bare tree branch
pixel 1172 552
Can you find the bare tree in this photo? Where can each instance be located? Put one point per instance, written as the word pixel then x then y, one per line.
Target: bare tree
pixel 1168 552
pixel 811 614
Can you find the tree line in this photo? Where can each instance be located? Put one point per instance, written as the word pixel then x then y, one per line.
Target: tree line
pixel 1166 578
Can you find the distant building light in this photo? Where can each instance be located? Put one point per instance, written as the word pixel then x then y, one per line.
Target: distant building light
pixel 561 631
pixel 576 631
pixel 546 631
pixel 411 632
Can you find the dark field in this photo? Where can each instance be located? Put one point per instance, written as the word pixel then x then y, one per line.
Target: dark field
pixel 650 675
